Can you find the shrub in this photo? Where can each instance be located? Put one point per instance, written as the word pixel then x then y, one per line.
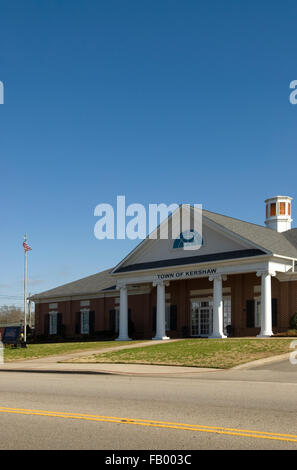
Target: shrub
pixel 287 333
pixel 293 322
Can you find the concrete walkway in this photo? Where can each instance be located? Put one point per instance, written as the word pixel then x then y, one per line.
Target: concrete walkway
pixel 58 364
pixel 104 368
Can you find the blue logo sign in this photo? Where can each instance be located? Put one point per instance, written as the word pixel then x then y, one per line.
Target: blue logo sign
pixel 189 239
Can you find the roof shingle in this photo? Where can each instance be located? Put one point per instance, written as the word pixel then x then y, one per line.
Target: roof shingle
pixel 93 284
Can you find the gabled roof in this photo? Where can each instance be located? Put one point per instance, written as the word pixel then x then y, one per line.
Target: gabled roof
pixel 291 235
pixel 266 238
pixel 89 285
pixel 263 239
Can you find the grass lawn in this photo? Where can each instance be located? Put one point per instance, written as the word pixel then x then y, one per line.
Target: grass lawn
pixel 215 353
pixel 34 351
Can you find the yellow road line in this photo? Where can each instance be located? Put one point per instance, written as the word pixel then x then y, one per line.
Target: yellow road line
pixel 153 423
pixel 63 413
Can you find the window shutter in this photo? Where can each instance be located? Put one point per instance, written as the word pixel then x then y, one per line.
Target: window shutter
pixel 250 313
pixel 154 318
pixel 112 320
pixel 59 324
pixel 77 323
pixel 91 322
pixel 46 324
pixel 173 317
pixel 274 312
pixel 131 327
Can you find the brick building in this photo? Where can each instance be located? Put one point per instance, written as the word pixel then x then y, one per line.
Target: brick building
pixel 241 281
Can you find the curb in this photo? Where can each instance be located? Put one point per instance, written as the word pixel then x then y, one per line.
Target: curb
pixel 260 362
pixel 55 371
pixel 109 372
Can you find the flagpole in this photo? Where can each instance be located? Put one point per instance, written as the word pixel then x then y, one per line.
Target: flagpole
pixel 29 311
pixel 25 293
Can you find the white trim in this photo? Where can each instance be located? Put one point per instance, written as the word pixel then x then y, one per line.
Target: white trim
pixel 286 277
pixel 236 266
pixel 148 276
pixel 226 290
pixel 53 306
pixel 283 257
pixel 114 293
pixel 145 241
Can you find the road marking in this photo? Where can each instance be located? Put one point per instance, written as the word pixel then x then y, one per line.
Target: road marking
pixel 152 423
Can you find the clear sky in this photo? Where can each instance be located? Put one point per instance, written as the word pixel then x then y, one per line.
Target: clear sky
pixel 158 100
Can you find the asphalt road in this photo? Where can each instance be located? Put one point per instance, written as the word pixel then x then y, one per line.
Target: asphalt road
pixel 243 409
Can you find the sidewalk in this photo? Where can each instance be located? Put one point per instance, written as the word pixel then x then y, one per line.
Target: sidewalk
pixel 101 368
pixel 56 364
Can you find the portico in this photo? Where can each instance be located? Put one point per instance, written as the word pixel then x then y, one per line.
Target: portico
pixel 222 274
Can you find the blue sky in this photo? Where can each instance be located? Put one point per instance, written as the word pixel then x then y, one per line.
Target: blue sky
pixel 161 101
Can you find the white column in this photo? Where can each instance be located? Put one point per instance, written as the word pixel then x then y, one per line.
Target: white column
pixel 123 323
pixel 218 314
pixel 161 306
pixel 266 310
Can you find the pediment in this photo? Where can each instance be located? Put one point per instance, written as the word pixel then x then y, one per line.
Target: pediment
pixel 215 241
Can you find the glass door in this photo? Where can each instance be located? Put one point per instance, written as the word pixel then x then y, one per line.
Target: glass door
pixel 201 317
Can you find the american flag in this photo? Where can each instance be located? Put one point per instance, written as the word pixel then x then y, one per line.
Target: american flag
pixel 26 247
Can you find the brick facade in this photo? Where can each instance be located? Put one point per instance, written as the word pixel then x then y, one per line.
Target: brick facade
pixel 141 307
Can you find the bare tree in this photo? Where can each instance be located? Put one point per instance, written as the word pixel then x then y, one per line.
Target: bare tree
pixel 11 314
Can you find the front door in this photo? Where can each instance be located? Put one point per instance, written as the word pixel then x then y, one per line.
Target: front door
pixel 201 317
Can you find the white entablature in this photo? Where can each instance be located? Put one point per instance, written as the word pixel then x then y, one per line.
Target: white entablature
pixel 196 271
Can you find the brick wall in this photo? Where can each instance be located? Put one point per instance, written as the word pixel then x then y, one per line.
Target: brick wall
pixel 141 305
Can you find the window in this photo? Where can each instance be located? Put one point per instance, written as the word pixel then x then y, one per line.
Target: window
pixel 85 322
pixel 273 209
pixel 289 208
pixel 258 312
pixel 282 208
pixel 53 323
pixel 227 312
pixel 267 211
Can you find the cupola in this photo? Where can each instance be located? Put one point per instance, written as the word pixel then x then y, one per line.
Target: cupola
pixel 278 213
